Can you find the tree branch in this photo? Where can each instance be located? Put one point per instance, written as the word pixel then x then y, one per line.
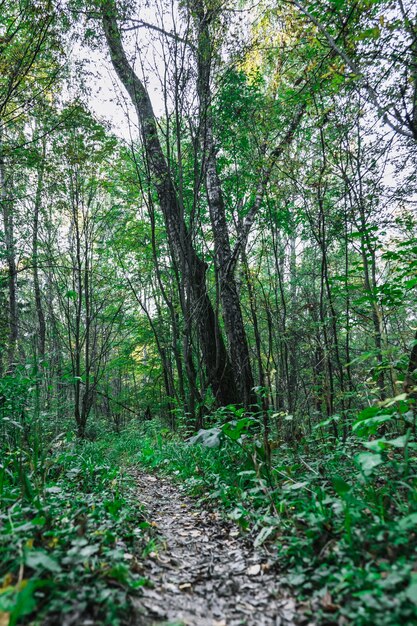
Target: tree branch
pixel 373 96
pixel 261 189
pixel 158 29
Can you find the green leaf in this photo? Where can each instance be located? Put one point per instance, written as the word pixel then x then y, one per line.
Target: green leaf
pixel 411 591
pixel 411 283
pixel 399 442
pixel 369 33
pixel 40 560
pixel 381 444
pixel 359 359
pixel 89 550
pixel 370 425
pixel 295 486
pixel 235 429
pixel 409 521
pixel 391 401
pixel 326 422
pixel 263 535
pixel 341 487
pixel 368 461
pixel 376 445
pixel 23 602
pixel 370 411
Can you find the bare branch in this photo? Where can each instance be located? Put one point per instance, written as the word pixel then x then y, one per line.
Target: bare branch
pixel 158 29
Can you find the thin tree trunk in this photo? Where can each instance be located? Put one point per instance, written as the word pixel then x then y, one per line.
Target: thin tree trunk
pixel 7 214
pixel 410 382
pixel 35 261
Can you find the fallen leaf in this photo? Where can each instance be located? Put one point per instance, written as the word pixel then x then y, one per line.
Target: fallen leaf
pixel 253 570
pixel 163 559
pixel 328 604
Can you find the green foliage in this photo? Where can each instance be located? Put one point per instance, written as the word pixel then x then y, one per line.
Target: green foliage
pixel 325 281
pixel 340 516
pixel 71 536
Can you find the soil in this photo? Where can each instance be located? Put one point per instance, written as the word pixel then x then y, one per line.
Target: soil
pixel 203 573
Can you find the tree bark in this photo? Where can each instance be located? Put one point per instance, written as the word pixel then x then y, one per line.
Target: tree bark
pixel 220 373
pixel 229 295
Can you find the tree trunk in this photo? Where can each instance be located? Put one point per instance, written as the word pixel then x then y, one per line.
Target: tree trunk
pixel 219 370
pixel 229 295
pixel 410 382
pixel 35 238
pixel 8 222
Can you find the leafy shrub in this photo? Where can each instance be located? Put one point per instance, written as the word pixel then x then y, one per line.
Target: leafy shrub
pixel 71 537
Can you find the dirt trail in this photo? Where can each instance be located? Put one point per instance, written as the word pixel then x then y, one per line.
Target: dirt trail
pixel 204 575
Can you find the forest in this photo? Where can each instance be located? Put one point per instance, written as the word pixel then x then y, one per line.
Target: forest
pixel 208 321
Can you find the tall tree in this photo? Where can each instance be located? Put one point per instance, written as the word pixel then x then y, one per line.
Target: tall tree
pixel 219 370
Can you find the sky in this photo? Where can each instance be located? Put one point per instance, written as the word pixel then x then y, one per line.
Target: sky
pixel 109 101
pixel 107 98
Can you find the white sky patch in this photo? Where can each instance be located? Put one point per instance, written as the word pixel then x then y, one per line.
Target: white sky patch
pixel 148 50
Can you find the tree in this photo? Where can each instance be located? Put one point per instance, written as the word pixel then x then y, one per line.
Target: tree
pixel 184 256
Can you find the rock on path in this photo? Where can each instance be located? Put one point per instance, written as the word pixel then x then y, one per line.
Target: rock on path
pixel 204 575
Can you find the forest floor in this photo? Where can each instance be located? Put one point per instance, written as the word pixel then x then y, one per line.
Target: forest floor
pixel 145 529
pixel 201 572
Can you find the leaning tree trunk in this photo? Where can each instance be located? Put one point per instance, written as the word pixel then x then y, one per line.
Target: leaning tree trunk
pixel 219 370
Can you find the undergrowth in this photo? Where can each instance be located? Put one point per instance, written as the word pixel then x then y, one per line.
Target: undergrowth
pixel 71 535
pixel 340 517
